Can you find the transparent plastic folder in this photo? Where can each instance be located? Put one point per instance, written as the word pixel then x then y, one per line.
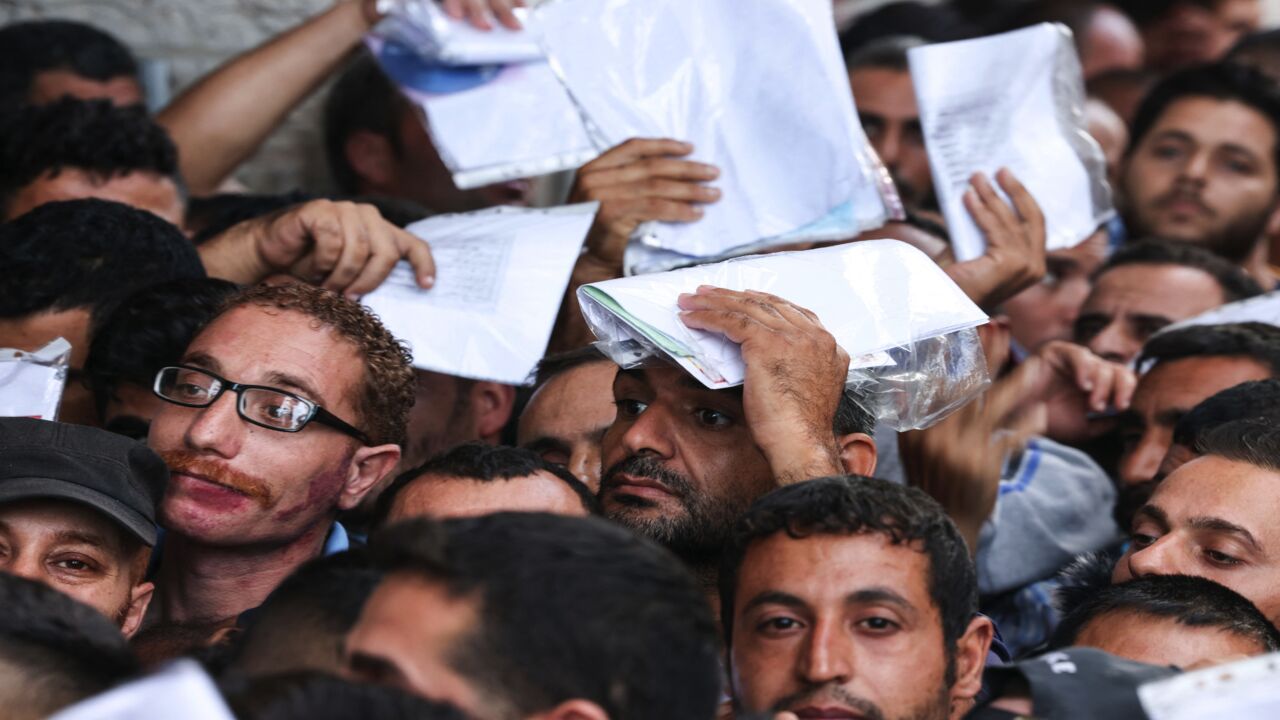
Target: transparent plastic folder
pixel 501 275
pixel 758 88
pixel 493 108
pixel 909 330
pixel 1013 100
pixel 31 383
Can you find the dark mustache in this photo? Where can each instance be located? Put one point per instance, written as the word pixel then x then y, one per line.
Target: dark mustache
pixel 650 469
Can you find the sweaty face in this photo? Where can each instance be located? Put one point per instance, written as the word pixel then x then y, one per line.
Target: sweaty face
pixel 1212 518
pixel 1163 396
pixel 234 483
pixel 886 102
pixel 78 551
pixel 51 85
pixel 146 191
pixel 450 497
pixel 681 465
pixel 838 626
pixel 390 645
pixel 1129 303
pixel 567 417
pixel 1158 640
pixel 1048 310
pixel 1204 173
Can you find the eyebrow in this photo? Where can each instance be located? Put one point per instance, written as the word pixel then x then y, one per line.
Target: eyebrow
pixel 1184 136
pixel 1148 318
pixel 288 381
pixel 867 596
pixel 1214 524
pixel 203 360
pixel 81 536
pixel 1153 512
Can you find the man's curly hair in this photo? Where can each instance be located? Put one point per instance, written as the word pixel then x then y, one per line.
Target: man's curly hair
pixel 93 136
pixel 386 394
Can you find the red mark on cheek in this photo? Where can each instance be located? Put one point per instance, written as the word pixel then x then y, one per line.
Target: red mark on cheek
pixel 322 493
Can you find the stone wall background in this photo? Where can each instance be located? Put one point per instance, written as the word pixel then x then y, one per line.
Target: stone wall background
pixel 181 40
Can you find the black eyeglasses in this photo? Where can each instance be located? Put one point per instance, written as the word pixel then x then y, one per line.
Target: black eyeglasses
pixel 263 406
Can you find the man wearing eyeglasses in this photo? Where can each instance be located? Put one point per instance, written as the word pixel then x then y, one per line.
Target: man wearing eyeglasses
pixel 288 407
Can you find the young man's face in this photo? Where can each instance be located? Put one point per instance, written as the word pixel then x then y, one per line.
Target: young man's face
pixel 234 483
pixel 887 107
pixel 1204 173
pixel 1212 518
pixel 839 626
pixel 78 551
pixel 1130 303
pixel 1163 396
pixel 680 462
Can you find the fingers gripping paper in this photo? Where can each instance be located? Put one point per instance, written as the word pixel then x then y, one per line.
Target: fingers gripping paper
pixel 908 328
pixel 1014 100
pixel 500 277
pixel 758 88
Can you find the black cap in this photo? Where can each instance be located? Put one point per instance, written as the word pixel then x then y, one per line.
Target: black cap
pixel 120 478
pixel 1077 683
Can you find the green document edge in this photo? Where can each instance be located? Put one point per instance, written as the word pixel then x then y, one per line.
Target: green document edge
pixel 666 342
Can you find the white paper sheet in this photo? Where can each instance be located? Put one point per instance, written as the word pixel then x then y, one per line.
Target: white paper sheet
pixel 1244 690
pixel 501 275
pixel 1263 308
pixel 490 123
pixel 181 690
pixel 31 383
pixel 871 296
pixel 1011 100
pixel 758 88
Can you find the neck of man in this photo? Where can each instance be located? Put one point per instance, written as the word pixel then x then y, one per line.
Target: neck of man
pixel 200 584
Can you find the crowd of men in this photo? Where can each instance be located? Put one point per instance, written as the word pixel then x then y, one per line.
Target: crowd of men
pixel 248 471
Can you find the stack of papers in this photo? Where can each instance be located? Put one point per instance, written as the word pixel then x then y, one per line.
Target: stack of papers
pixel 1263 309
pixel 758 88
pixel 1014 100
pixel 872 296
pixel 501 275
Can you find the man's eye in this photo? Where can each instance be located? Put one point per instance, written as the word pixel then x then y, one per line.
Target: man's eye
pixel 1088 328
pixel 78 565
pixel 1220 558
pixel 1141 540
pixel 1167 152
pixel 713 418
pixel 631 408
pixel 190 390
pixel 778 625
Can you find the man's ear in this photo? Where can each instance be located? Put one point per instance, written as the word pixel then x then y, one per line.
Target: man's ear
pixel 368 466
pixel 372 158
pixel 573 710
pixel 491 406
pixel 971 660
pixel 139 600
pixel 858 454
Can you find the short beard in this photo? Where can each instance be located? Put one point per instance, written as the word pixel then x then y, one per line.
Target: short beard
pixel 698 535
pixel 935 707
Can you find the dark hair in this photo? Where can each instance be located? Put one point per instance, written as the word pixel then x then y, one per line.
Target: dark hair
pixel 480 462
pixel 87 254
pixel 303 622
pixel 317 696
pixel 362 98
pixel 1191 601
pixel 1234 281
pixel 148 330
pixel 63 650
pixel 643 647
pixel 1255 442
pixel 553 365
pixel 852 415
pixel 94 136
pixel 1221 81
pixel 1077 15
pixel 29 48
pixel 1144 12
pixel 888 53
pixel 847 505
pixel 1252 400
pixel 930 23
pixel 1254 340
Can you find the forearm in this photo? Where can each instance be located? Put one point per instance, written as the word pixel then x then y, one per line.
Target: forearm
pixel 798 461
pixel 233 255
pixel 222 119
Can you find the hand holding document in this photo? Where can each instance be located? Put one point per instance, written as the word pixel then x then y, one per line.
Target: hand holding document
pixel 900 318
pixel 1016 101
pixel 758 88
pixel 501 275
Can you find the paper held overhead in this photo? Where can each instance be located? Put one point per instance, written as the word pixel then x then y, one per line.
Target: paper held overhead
pixel 758 88
pixel 1263 309
pixel 500 277
pixel 905 324
pixel 493 108
pixel 1016 101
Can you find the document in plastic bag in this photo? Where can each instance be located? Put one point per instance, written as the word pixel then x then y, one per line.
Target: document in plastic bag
pixel 180 690
pixel 498 115
pixel 1243 690
pixel 758 88
pixel 1014 100
pixel 501 275
pixel 897 314
pixel 31 383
